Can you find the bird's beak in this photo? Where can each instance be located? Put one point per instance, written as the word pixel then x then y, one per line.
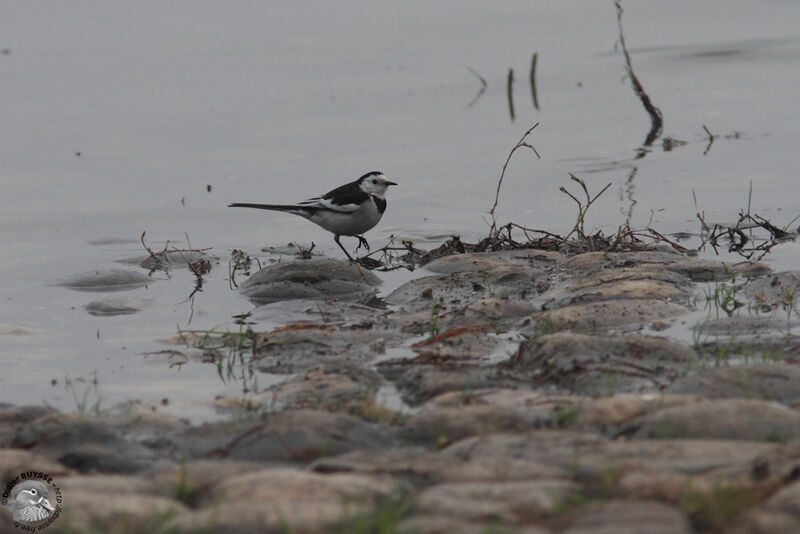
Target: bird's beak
pixel 388 183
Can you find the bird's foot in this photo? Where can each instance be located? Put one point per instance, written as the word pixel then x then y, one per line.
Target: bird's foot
pixel 362 242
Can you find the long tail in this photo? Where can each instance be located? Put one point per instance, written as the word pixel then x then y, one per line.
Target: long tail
pixel 273 207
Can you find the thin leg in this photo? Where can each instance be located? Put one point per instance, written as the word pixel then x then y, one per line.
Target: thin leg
pixel 336 238
pixel 362 242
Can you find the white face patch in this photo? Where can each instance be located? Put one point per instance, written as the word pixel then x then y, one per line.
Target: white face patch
pixel 376 185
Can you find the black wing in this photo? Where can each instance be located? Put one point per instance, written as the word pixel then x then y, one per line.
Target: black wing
pixel 347 194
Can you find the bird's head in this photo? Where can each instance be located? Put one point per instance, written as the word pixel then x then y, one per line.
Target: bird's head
pixel 31 492
pixel 375 183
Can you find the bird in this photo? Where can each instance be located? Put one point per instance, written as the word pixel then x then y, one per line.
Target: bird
pixel 30 501
pixel 351 209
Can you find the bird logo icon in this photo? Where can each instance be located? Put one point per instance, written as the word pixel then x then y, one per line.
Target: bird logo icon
pixel 30 502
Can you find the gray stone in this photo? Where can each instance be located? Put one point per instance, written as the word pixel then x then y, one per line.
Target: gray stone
pixel 418 382
pixel 298 347
pixel 778 515
pixel 294 436
pixel 585 453
pixel 489 262
pixel 487 278
pixel 324 386
pixel 734 419
pixel 597 365
pixel 628 517
pixel 696 269
pixel 86 444
pixel 15 461
pixel 777 382
pixel 601 316
pixel 313 311
pixel 510 501
pixel 310 279
pixel 443 426
pixel 444 524
pixel 285 499
pixel 421 466
pixel 777 290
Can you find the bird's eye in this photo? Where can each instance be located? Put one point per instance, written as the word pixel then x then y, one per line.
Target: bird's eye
pixel 33 492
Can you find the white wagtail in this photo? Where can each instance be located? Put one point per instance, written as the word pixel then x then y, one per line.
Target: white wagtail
pixel 350 209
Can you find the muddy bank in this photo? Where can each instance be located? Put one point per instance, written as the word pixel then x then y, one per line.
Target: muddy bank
pixel 516 391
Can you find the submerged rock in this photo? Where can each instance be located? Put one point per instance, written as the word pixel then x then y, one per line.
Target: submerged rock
pixel 106 280
pixel 112 306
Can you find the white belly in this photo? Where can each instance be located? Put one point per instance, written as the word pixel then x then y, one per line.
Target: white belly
pixel 353 223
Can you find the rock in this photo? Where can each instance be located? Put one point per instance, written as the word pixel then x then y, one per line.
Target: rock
pixel 776 290
pixel 778 515
pixel 628 517
pixel 322 279
pixel 734 419
pixel 465 343
pixel 545 400
pixel 625 407
pixel 109 307
pixel 621 283
pixel 86 444
pixel 193 480
pixel 777 382
pixel 597 365
pixel 508 501
pixel 442 524
pixel 16 415
pixel 292 437
pixel 422 467
pixel 293 499
pixel 298 347
pixel 695 269
pixel 443 426
pixel 492 261
pixel 106 280
pixel 497 279
pixel 284 312
pixel 323 386
pixel 418 382
pixel 498 314
pixel 601 316
pixel 15 461
pixel 118 511
pixel 113 484
pixel 585 453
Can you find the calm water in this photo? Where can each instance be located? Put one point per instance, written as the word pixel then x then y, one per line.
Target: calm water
pixel 117 118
